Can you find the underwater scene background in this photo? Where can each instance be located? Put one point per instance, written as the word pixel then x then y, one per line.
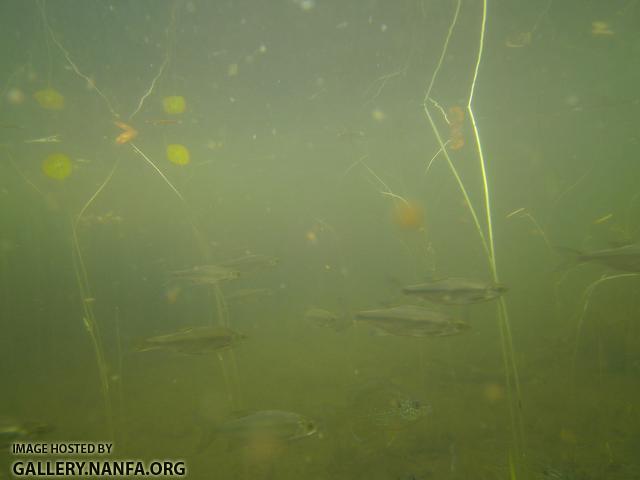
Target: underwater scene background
pixel 276 170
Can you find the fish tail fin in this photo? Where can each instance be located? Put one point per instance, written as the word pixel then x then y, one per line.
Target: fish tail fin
pixel 572 258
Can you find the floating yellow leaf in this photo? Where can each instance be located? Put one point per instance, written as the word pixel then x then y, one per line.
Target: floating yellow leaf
pixel 178 154
pixel 174 105
pixel 57 166
pixel 50 99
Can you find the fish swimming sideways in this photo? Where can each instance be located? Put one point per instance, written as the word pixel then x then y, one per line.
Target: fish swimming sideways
pixel 192 341
pixel 456 291
pixel 411 321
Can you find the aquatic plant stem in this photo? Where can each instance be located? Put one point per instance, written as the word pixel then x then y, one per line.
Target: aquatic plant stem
pixel 97 192
pixel 88 318
pixel 441 143
pixel 122 408
pixel 223 316
pixel 522 213
pixel 24 177
pixel 153 165
pixel 90 82
pixel 505 324
pixel 151 87
pixel 587 302
pixel 46 41
pixel 91 325
pixel 223 313
pixel 511 372
pixel 476 134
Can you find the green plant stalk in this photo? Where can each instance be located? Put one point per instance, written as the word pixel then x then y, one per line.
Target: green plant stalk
pixel 511 371
pixel 91 326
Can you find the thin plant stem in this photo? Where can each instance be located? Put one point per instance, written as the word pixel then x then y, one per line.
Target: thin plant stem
pixel 91 326
pixel 97 192
pixel 153 165
pixel 46 41
pixel 22 175
pixel 151 87
pixel 438 136
pixel 588 293
pixel 396 197
pixel 88 318
pixel 90 82
pixel 523 213
pixel 434 157
pixel 508 351
pixel 122 407
pixel 169 34
pixel 511 372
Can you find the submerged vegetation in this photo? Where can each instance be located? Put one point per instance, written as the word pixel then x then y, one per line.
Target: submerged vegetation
pixel 304 210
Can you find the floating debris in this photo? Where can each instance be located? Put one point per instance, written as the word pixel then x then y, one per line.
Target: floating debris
pixel 57 166
pixel 108 218
pixel 408 215
pixel 601 29
pixel 192 340
pixel 174 105
pixel 456 291
pixel 128 133
pixel 178 154
pixel 48 139
pixel 411 321
pixel 49 99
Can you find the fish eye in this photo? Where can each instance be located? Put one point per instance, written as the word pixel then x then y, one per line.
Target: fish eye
pixel 310 427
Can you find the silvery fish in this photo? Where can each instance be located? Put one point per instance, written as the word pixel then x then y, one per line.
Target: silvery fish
pixel 327 319
pixel 411 321
pixel 250 263
pixel 265 427
pixel 192 341
pixel 625 258
pixel 205 275
pixel 12 430
pixel 456 291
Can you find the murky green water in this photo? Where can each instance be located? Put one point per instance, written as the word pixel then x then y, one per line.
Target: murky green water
pixel 314 136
